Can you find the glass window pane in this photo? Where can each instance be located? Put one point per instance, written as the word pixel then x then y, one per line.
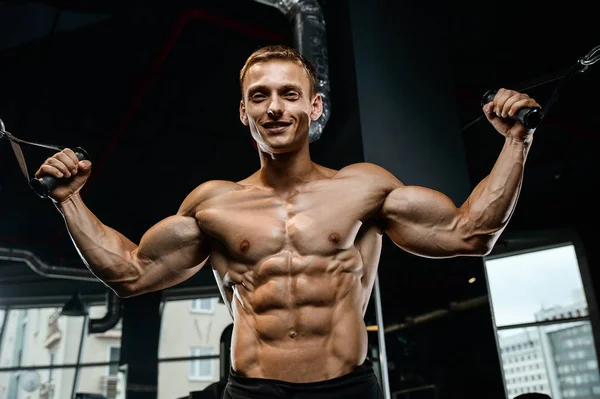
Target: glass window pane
pixel 558 360
pixel 536 286
pixel 174 381
pixel 183 328
pixel 201 369
pixel 203 305
pixel 2 311
pixel 114 356
pixel 97 347
pixel 42 384
pixel 99 380
pixel 40 337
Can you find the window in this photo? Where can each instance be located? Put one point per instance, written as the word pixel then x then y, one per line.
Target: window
pixel 201 369
pixel 202 305
pixel 188 331
pixel 536 286
pixel 111 380
pixel 47 345
pixel 114 353
pixel 540 311
pixel 52 361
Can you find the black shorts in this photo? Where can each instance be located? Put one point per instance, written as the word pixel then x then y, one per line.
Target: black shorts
pixel 360 383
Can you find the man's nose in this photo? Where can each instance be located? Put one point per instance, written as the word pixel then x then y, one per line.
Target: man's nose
pixel 275 109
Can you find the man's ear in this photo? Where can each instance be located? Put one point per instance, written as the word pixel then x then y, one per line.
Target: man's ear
pixel 317 107
pixel 243 115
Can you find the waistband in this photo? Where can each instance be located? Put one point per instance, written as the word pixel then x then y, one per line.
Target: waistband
pixel 265 386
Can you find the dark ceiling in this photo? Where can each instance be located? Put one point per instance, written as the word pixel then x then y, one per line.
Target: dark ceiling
pixel 118 78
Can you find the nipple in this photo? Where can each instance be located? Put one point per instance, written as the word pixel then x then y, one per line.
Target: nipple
pixel 334 238
pixel 244 246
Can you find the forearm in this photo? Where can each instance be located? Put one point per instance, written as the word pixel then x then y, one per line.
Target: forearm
pixel 106 252
pixel 493 201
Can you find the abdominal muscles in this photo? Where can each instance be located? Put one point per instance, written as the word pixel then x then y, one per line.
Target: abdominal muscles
pixel 299 319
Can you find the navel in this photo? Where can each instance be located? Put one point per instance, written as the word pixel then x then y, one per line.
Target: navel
pixel 334 238
pixel 244 246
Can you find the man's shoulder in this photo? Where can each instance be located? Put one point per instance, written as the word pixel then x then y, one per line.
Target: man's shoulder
pixel 366 170
pixel 204 192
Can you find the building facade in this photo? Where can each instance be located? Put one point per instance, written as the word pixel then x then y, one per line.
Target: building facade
pixel 523 363
pixel 41 337
pixel 556 359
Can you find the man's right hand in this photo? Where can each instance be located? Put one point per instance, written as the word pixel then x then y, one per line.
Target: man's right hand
pixel 71 172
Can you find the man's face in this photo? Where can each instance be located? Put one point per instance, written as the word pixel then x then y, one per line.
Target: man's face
pixel 277 105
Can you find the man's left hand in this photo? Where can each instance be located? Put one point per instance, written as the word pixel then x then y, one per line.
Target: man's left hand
pixel 507 103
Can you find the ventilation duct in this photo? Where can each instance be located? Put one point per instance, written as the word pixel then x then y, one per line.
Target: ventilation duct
pixel 310 40
pixel 44 269
pixel 113 311
pixel 110 319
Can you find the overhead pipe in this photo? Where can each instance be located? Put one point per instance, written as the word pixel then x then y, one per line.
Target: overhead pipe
pixel 113 306
pixel 44 269
pixel 310 40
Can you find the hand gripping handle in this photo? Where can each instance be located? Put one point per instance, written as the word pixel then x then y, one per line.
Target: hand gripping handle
pixel 529 117
pixel 43 185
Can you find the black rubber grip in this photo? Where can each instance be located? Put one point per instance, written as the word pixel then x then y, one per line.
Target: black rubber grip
pixel 529 117
pixel 43 185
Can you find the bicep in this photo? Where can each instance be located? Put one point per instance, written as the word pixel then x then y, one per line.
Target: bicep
pixel 426 222
pixel 170 252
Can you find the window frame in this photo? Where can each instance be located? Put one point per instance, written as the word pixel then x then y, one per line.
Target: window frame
pixel 194 357
pixel 518 243
pixel 200 310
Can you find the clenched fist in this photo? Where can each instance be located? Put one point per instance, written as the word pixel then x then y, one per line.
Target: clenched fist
pixel 70 172
pixel 507 103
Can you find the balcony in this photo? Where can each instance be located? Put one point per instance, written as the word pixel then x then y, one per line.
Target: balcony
pixel 54 333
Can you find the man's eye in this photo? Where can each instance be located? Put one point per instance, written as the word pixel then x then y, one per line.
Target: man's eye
pixel 258 97
pixel 292 94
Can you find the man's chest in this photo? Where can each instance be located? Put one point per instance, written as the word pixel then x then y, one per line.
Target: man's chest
pixel 252 225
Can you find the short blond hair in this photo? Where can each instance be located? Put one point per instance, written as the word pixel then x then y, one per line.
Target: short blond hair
pixel 280 52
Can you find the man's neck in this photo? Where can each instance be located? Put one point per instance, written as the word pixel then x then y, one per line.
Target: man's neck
pixel 285 172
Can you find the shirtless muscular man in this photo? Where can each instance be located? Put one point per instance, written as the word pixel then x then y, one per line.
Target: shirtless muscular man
pixel 295 246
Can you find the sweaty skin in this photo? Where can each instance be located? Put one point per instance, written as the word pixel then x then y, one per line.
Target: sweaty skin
pixel 295 246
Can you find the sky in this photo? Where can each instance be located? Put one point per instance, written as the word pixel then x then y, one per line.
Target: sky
pixel 521 285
